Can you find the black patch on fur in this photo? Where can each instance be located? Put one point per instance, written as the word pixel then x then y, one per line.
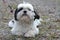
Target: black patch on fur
pixel 13 22
pixel 16 12
pixel 36 15
pixel 20 9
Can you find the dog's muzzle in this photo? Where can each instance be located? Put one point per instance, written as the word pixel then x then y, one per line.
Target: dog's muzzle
pixel 25 17
pixel 24 13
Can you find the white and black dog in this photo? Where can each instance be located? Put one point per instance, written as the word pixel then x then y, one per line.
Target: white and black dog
pixel 25 21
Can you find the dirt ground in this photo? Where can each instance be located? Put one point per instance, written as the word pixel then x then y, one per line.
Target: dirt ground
pixel 49 11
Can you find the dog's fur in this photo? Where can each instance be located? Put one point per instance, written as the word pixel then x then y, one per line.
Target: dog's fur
pixel 25 21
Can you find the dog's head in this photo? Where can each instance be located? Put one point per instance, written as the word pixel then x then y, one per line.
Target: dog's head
pixel 25 11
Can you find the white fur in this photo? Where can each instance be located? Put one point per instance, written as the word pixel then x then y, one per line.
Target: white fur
pixel 26 5
pixel 22 28
pixel 28 33
pixel 11 24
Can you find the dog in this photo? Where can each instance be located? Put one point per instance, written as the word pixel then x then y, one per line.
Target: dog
pixel 25 21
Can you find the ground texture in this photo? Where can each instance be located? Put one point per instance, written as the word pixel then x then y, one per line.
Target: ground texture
pixel 49 11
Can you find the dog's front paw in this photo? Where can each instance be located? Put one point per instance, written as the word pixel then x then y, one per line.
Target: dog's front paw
pixel 14 32
pixel 30 34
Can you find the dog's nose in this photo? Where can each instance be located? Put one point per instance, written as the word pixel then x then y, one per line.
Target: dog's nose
pixel 25 11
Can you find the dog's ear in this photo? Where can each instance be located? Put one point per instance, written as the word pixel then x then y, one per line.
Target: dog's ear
pixel 36 15
pixel 15 14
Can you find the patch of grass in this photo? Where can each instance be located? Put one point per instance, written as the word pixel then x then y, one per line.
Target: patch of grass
pixel 45 17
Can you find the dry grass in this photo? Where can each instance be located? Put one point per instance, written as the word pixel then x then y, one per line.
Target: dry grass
pixel 49 29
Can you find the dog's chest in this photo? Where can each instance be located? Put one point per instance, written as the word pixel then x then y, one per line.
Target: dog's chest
pixel 26 28
pixel 23 28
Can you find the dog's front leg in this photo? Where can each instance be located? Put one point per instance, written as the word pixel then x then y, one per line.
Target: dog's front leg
pixel 15 31
pixel 32 33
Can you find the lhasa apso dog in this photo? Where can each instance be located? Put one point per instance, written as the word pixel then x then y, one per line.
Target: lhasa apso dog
pixel 25 21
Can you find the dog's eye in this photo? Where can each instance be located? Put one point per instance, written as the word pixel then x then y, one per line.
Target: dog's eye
pixel 29 9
